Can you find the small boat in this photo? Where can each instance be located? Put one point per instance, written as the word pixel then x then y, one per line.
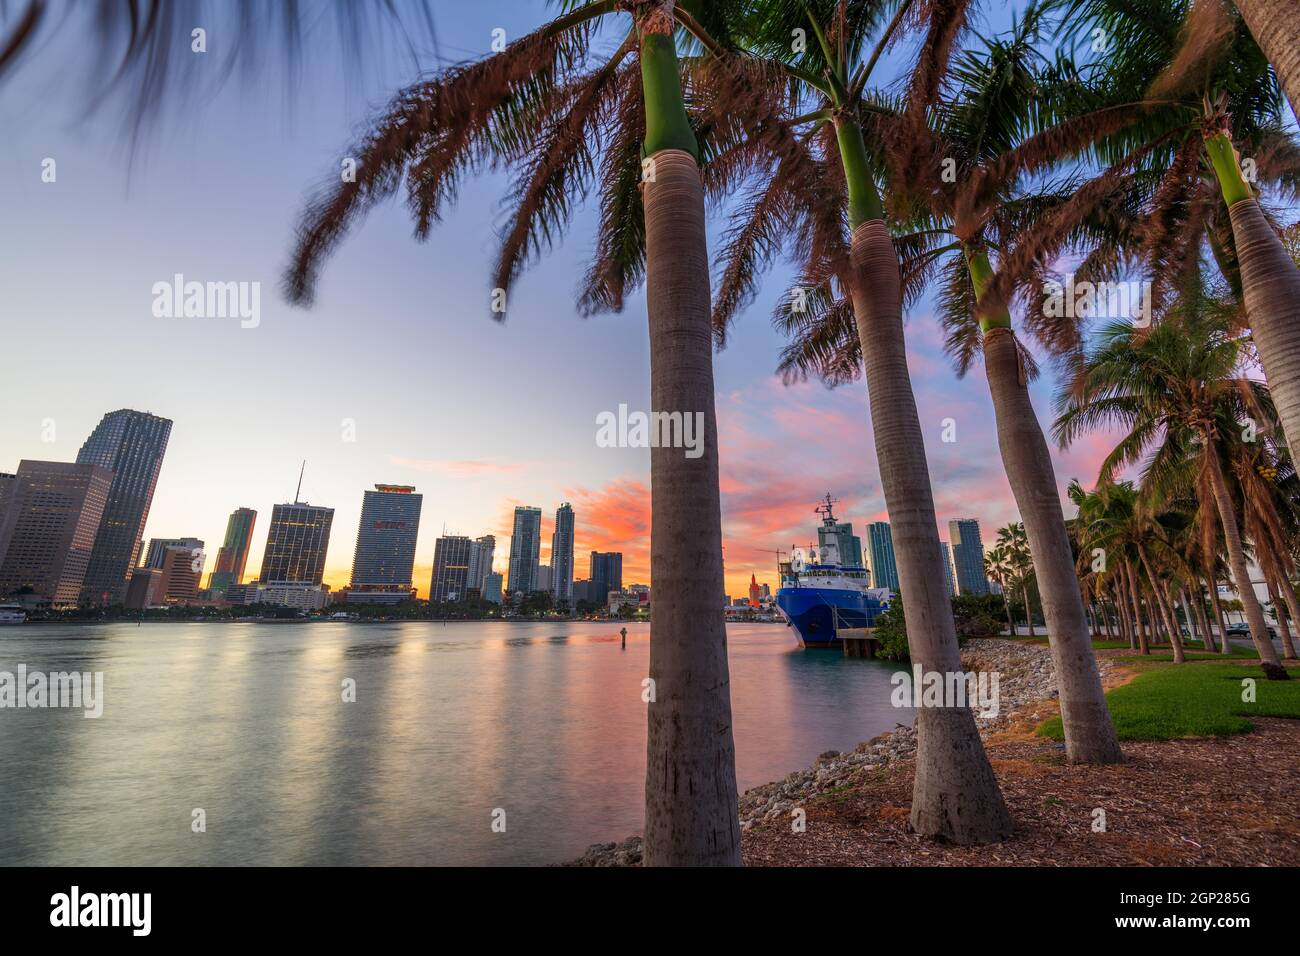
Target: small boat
pixel 12 614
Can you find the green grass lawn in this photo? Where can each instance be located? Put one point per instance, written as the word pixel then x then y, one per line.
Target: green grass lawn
pixel 1247 653
pixel 1203 700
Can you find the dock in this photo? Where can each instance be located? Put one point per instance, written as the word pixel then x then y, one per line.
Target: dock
pixel 858 641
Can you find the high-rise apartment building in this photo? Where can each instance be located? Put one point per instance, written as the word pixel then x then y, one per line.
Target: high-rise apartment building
pixel 385 553
pixel 847 543
pixel 131 444
pixel 232 556
pixel 49 526
pixel 562 556
pixel 884 569
pixel 481 555
pixel 156 554
pixel 525 548
pixel 947 566
pixel 968 556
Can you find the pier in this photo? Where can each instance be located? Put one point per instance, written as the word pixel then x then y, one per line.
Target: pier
pixel 857 641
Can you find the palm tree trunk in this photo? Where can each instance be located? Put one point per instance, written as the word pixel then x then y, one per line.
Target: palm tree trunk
pixel 1270 281
pixel 1288 649
pixel 1273 670
pixel 1292 607
pixel 955 795
pixel 1134 596
pixel 1166 613
pixel 691 810
pixel 1276 28
pixel 1225 646
pixel 1193 628
pixel 1089 731
pixel 1206 631
pixel 1011 624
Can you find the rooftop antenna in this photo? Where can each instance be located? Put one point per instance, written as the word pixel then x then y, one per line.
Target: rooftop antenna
pixel 297 493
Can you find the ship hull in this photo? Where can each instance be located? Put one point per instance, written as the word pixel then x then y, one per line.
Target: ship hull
pixel 815 613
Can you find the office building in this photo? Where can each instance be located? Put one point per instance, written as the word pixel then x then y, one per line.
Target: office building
pixel 884 569
pixel 542 581
pixel 156 554
pixel 481 555
pixel 846 542
pixel 49 527
pixel 450 569
pixel 525 549
pixel 606 574
pixel 232 556
pixel 296 544
pixel 131 445
pixel 384 557
pixel 492 588
pixel 968 556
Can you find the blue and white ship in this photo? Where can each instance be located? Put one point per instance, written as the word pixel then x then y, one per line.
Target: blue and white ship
pixel 820 596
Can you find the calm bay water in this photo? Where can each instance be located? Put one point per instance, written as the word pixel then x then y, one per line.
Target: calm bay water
pixel 450 723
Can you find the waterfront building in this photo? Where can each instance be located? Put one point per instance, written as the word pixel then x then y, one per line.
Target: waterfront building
pixel 304 597
pixel 562 556
pixel 947 566
pixel 49 527
pixel 968 556
pixel 755 592
pixel 450 569
pixel 232 556
pixel 156 554
pixel 525 549
pixel 884 569
pixel 606 574
pixel 492 588
pixel 542 582
pixel 384 557
pixel 296 544
pixel 131 445
pixel 145 589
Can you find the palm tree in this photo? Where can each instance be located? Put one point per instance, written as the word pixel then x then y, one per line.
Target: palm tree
pixel 1276 28
pixel 957 180
pixel 1217 99
pixel 544 109
pixel 955 794
pixel 1015 541
pixel 1177 389
pixel 998 565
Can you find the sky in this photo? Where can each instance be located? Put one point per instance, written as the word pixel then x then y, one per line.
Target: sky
pixel 397 374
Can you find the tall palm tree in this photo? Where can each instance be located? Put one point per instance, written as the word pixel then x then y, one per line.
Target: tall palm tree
pixel 1218 98
pixel 998 565
pixel 544 108
pixel 955 794
pixel 1015 540
pixel 956 180
pixel 1276 28
pixel 1176 388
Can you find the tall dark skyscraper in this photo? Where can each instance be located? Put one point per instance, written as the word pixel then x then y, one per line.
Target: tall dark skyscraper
pixel 131 444
pixel 48 528
pixel 606 574
pixel 296 544
pixel 968 556
pixel 884 568
pixel 450 568
pixel 525 548
pixel 562 555
pixel 232 556
pixel 848 543
pixel 385 553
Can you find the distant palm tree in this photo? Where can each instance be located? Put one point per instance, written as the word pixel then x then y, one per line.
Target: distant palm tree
pixel 999 567
pixel 1178 390
pixel 1013 539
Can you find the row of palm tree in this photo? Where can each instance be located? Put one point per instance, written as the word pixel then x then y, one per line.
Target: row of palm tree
pixel 1132 157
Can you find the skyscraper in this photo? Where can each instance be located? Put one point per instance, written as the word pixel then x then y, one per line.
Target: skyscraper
pixel 525 548
pixel 450 568
pixel 842 536
pixel 49 526
pixel 606 574
pixel 156 555
pixel 296 543
pixel 232 556
pixel 131 444
pixel 562 555
pixel 884 570
pixel 385 553
pixel 481 555
pixel 968 556
pixel 947 566
pixel 492 587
